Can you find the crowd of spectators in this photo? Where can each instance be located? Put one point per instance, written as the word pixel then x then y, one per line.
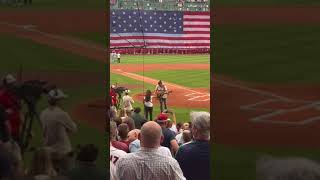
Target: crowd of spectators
pixel 55 157
pixel 16 2
pixel 161 148
pixel 185 5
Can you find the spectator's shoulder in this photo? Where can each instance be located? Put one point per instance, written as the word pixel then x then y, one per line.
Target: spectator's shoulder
pixel 186 147
pixel 125 159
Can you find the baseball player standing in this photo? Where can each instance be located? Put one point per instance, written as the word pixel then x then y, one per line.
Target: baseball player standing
pixel 127 103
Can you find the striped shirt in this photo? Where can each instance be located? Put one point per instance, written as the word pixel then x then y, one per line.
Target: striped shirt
pixel 148 164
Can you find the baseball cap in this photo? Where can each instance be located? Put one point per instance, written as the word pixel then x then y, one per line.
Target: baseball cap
pixel 113 86
pixel 57 94
pixel 9 79
pixel 162 118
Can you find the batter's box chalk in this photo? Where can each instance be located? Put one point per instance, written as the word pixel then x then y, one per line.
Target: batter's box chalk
pixel 274 105
pixel 205 97
pixel 191 94
pixel 299 116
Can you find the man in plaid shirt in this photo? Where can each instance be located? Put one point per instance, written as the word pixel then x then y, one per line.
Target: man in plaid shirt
pixel 149 162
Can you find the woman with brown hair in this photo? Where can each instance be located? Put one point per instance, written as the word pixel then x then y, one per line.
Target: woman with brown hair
pixel 148 105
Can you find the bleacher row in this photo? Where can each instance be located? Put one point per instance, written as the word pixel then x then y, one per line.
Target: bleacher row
pixel 180 5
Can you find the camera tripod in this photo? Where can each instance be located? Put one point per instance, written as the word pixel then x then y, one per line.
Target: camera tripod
pixel 26 135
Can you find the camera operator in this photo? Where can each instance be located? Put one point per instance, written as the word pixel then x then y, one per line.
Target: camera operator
pixel 12 104
pixel 57 124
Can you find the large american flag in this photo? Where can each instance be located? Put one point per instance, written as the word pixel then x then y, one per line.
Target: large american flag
pixel 159 29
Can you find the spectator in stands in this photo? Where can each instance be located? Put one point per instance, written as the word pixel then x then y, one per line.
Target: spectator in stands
pixel 57 124
pixel 179 127
pixel 148 105
pixel 186 136
pixel 113 112
pixel 11 102
pixel 5 164
pixel 134 145
pixel 194 157
pixel 148 163
pixel 115 154
pixel 179 136
pixel 269 168
pixel 123 130
pixel 42 167
pixel 62 163
pixel 113 171
pixel 138 119
pixel 113 138
pixel 164 150
pixel 122 114
pixel 117 120
pixel 12 151
pixel 86 165
pixel 4 126
pixel 169 136
pixel 172 123
pixel 130 122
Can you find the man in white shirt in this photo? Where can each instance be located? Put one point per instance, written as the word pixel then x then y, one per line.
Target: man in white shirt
pixel 57 124
pixel 127 103
pixel 115 154
pixel 149 163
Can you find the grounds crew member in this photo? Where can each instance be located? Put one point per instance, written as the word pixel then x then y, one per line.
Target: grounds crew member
pixel 57 124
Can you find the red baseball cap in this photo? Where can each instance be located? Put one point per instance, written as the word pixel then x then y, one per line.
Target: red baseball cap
pixel 162 118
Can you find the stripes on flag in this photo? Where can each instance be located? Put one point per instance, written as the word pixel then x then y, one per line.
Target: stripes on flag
pixel 150 30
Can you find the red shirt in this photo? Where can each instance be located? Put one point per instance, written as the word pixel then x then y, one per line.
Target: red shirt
pixel 11 102
pixel 126 142
pixel 120 145
pixel 113 95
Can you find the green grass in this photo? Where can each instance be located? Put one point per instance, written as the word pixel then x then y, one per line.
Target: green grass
pixel 95 37
pixel 36 57
pixel 182 114
pixel 229 162
pixel 268 54
pixel 265 2
pixel 55 4
pixel 165 59
pixel 187 78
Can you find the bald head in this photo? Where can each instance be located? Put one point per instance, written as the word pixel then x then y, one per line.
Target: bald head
pixel 133 135
pixel 150 135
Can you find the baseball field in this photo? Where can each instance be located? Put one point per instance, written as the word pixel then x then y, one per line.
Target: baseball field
pixel 265 83
pixel 186 76
pixel 264 65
